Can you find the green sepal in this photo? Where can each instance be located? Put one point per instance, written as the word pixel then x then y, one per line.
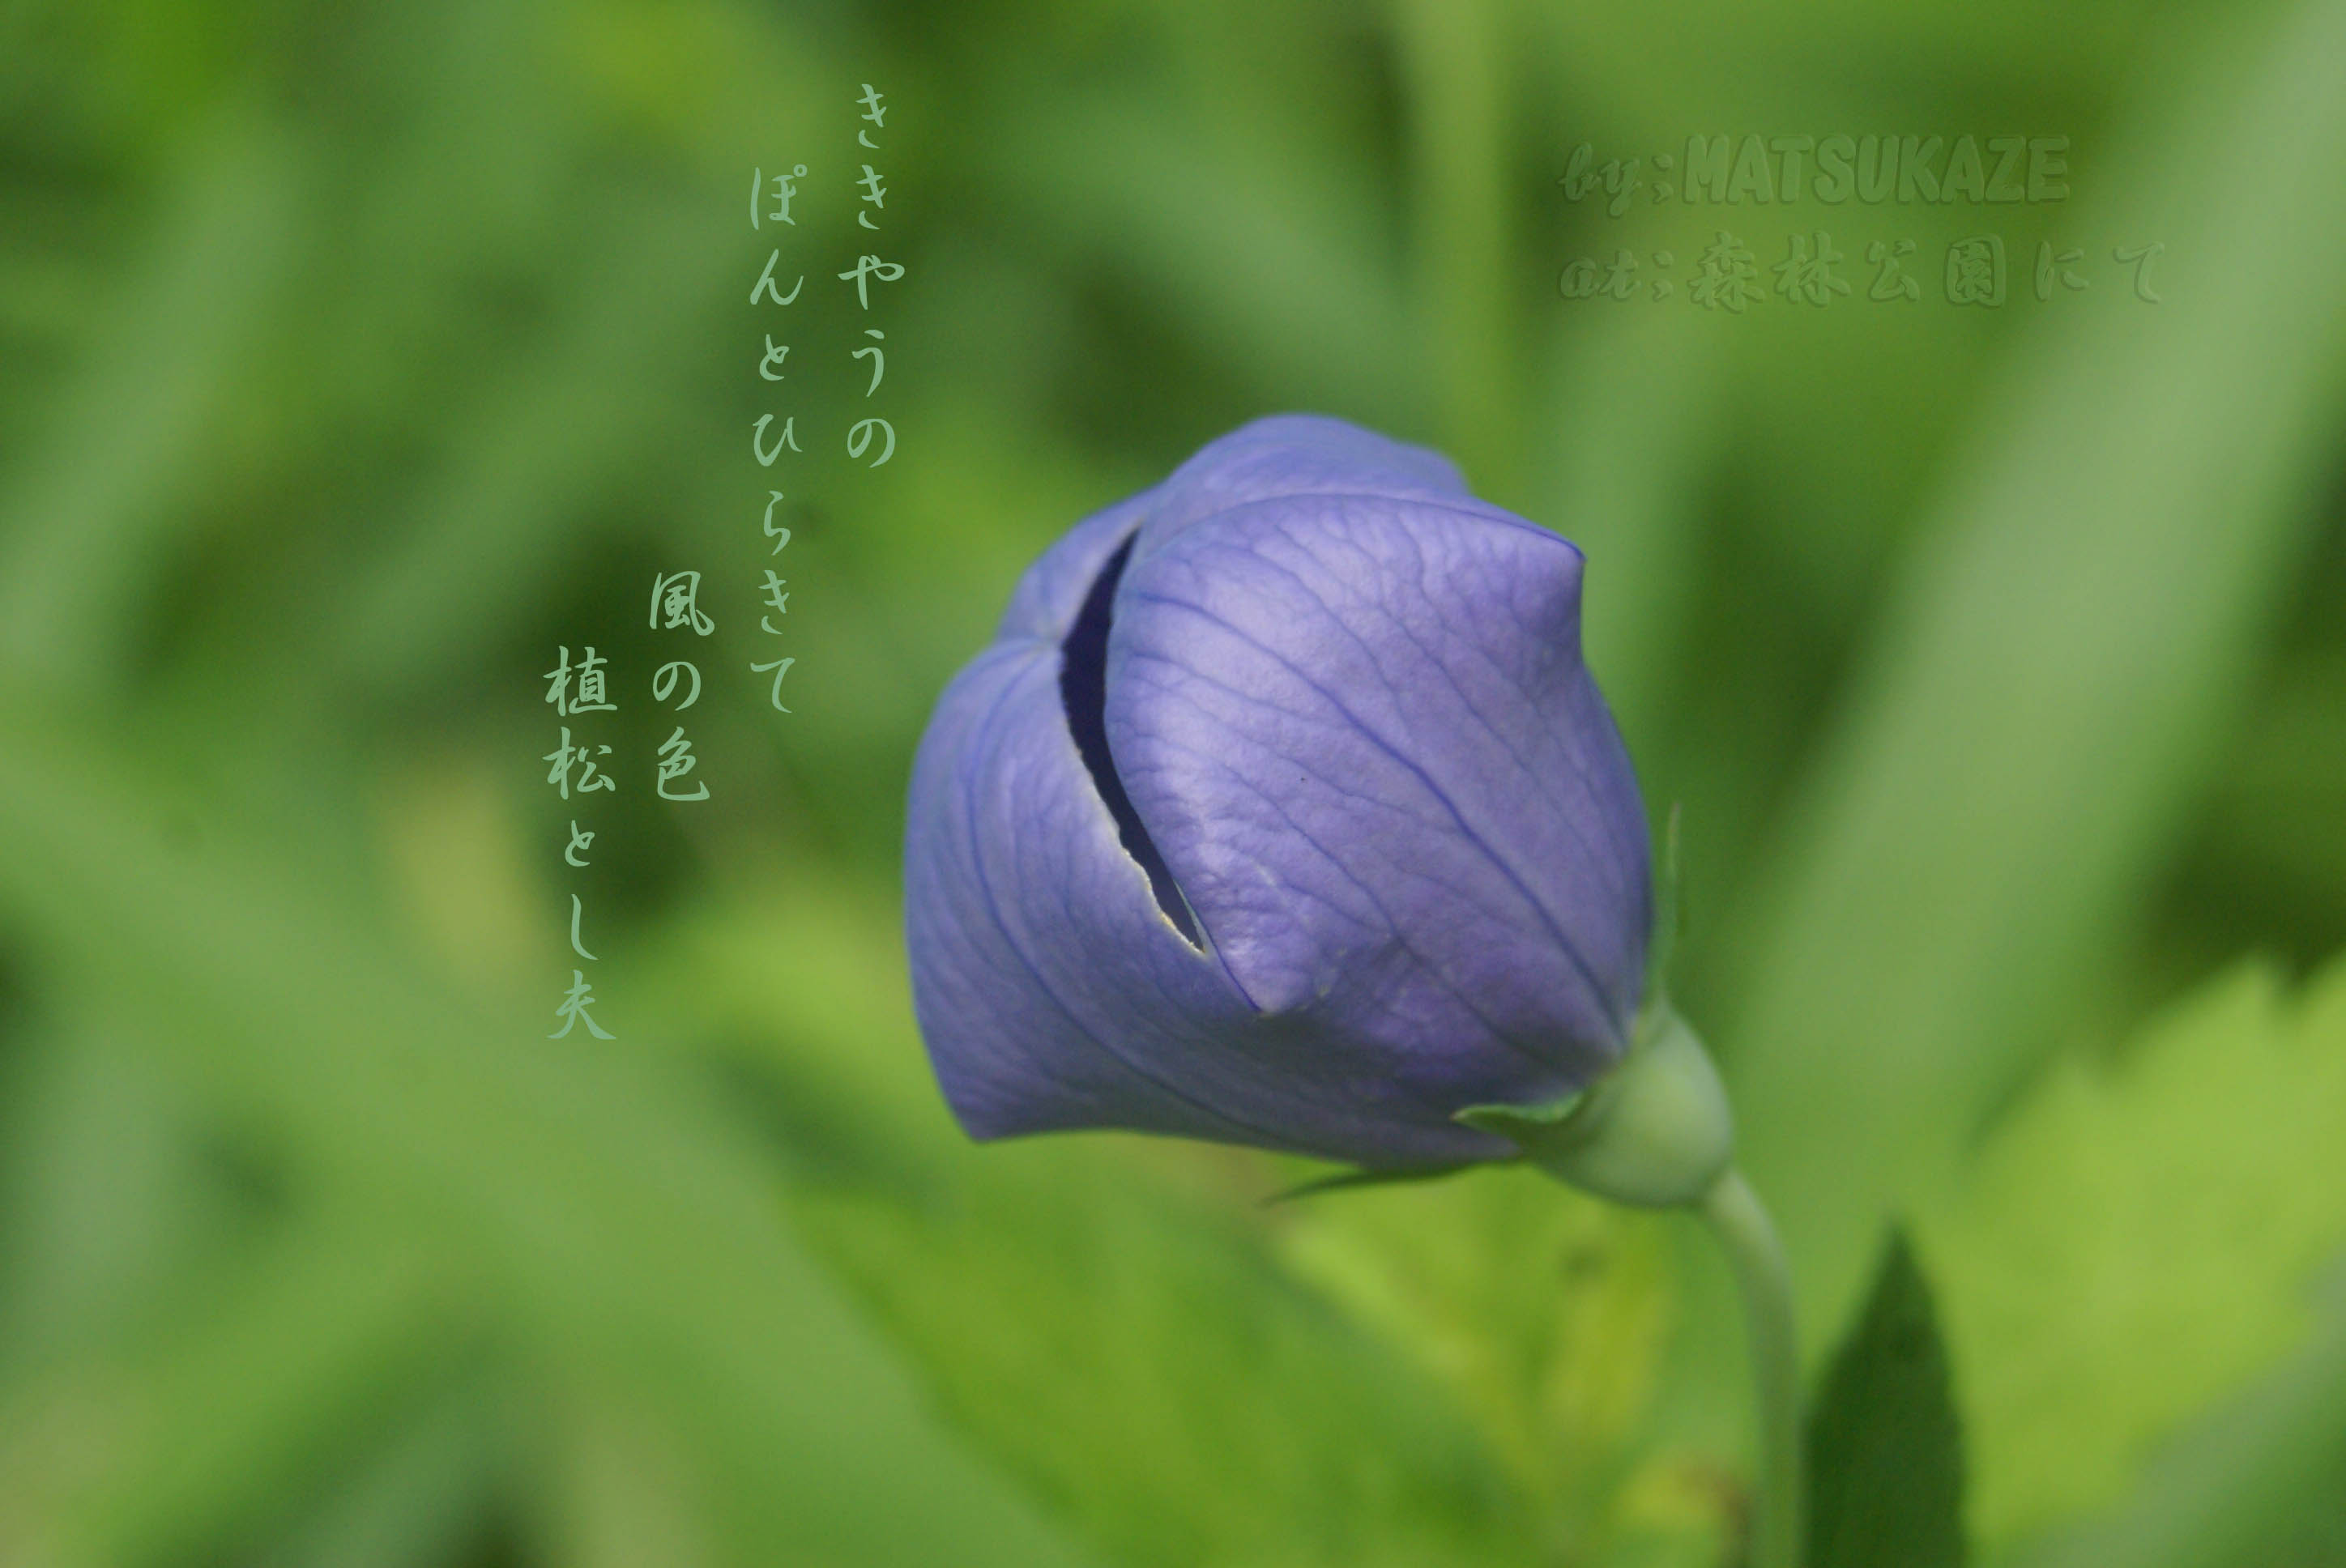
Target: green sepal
pixel 1653 1133
pixel 1345 1180
pixel 1523 1124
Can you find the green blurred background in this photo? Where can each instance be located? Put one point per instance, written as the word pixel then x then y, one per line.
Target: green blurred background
pixel 354 357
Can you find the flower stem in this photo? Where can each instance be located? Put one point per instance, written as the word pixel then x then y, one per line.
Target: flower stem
pixel 1736 1217
pixel 1656 1133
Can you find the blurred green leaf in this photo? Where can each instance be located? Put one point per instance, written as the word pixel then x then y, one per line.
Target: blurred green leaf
pixel 1275 264
pixel 621 1223
pixel 424 1494
pixel 1886 1445
pixel 1635 406
pixel 111 1203
pixel 2052 678
pixel 84 512
pixel 1549 1316
pixel 1462 1371
pixel 563 420
pixel 2235 1487
pixel 1130 1343
pixel 1456 58
pixel 190 1435
pixel 2138 1240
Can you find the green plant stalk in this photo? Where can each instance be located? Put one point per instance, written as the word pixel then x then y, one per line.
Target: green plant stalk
pixel 1658 1132
pixel 1736 1217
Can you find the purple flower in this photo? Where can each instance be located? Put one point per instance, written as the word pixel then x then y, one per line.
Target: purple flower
pixel 1281 812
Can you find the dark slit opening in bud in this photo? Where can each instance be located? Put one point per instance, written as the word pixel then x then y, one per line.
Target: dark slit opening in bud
pixel 1083 691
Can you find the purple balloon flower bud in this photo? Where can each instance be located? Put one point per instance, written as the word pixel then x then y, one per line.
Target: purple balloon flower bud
pixel 1281 812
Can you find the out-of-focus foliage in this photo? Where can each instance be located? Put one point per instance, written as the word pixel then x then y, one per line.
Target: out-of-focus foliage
pixel 1886 1447
pixel 353 358
pixel 2138 1236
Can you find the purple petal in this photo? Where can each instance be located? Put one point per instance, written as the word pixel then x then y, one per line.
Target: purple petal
pixel 1324 836
pixel 1362 736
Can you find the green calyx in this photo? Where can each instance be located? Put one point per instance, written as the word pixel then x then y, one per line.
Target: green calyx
pixel 1653 1133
